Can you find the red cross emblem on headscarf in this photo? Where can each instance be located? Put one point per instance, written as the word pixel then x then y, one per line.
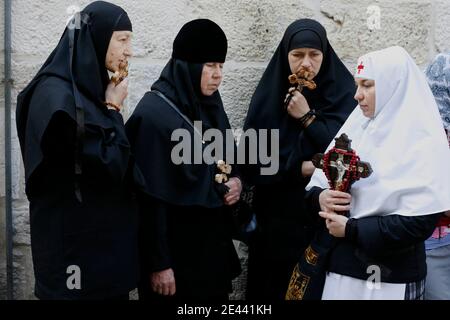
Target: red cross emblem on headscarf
pixel 360 67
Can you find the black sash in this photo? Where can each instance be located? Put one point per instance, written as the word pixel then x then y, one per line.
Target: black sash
pixel 308 277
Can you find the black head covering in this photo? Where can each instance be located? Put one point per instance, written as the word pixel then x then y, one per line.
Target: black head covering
pixel 180 79
pixel 333 99
pixel 200 41
pixel 91 31
pixel 150 127
pixel 97 23
pixel 308 39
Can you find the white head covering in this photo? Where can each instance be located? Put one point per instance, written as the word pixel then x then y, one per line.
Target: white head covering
pixel 365 69
pixel 405 142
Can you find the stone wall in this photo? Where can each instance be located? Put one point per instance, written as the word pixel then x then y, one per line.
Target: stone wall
pixel 254 29
pixel 2 152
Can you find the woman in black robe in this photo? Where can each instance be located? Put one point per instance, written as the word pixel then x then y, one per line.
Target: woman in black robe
pixel 285 228
pixel 83 213
pixel 186 247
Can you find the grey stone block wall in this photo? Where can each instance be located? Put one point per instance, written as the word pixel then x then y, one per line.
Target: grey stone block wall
pixel 2 152
pixel 254 29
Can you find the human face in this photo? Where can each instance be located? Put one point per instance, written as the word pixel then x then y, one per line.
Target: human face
pixel 307 58
pixel 211 77
pixel 119 50
pixel 365 95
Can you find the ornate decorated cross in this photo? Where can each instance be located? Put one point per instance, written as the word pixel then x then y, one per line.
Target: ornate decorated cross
pixel 341 165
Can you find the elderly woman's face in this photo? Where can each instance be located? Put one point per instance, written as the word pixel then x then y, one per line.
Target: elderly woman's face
pixel 211 77
pixel 365 95
pixel 119 50
pixel 306 58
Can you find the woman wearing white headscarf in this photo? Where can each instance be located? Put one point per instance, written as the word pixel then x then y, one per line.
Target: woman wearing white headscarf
pixel 398 130
pixel 437 286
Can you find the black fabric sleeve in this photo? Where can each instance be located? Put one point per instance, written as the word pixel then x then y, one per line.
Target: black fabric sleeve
pixel 321 131
pixel 59 136
pixel 313 139
pixel 303 151
pixel 312 204
pixel 105 150
pixel 117 122
pixel 351 229
pixel 160 258
pixel 377 234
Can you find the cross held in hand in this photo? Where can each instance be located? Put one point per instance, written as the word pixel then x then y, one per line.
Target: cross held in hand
pixel 300 79
pixel 341 165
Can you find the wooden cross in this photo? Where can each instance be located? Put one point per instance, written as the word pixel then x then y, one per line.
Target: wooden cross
pixel 301 80
pixel 360 68
pixel 341 165
pixel 224 169
pixel 120 74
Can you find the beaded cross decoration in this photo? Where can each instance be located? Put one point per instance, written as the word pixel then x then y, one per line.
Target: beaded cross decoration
pixel 341 165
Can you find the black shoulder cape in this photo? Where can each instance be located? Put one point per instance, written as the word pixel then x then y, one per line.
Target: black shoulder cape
pixel 150 128
pixel 333 100
pixel 56 81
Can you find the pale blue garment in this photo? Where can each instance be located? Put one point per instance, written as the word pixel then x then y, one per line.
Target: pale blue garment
pixel 432 243
pixel 438 76
pixel 437 284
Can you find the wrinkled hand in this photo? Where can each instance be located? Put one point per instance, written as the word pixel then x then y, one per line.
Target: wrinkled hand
pixel 163 282
pixel 234 194
pixel 307 168
pixel 298 106
pixel 117 94
pixel 334 201
pixel 335 223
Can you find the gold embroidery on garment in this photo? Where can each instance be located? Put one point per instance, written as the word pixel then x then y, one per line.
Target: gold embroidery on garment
pixel 311 256
pixel 297 286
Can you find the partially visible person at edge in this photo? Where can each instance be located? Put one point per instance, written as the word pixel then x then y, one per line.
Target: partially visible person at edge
pixel 78 170
pixel 397 129
pixel 437 284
